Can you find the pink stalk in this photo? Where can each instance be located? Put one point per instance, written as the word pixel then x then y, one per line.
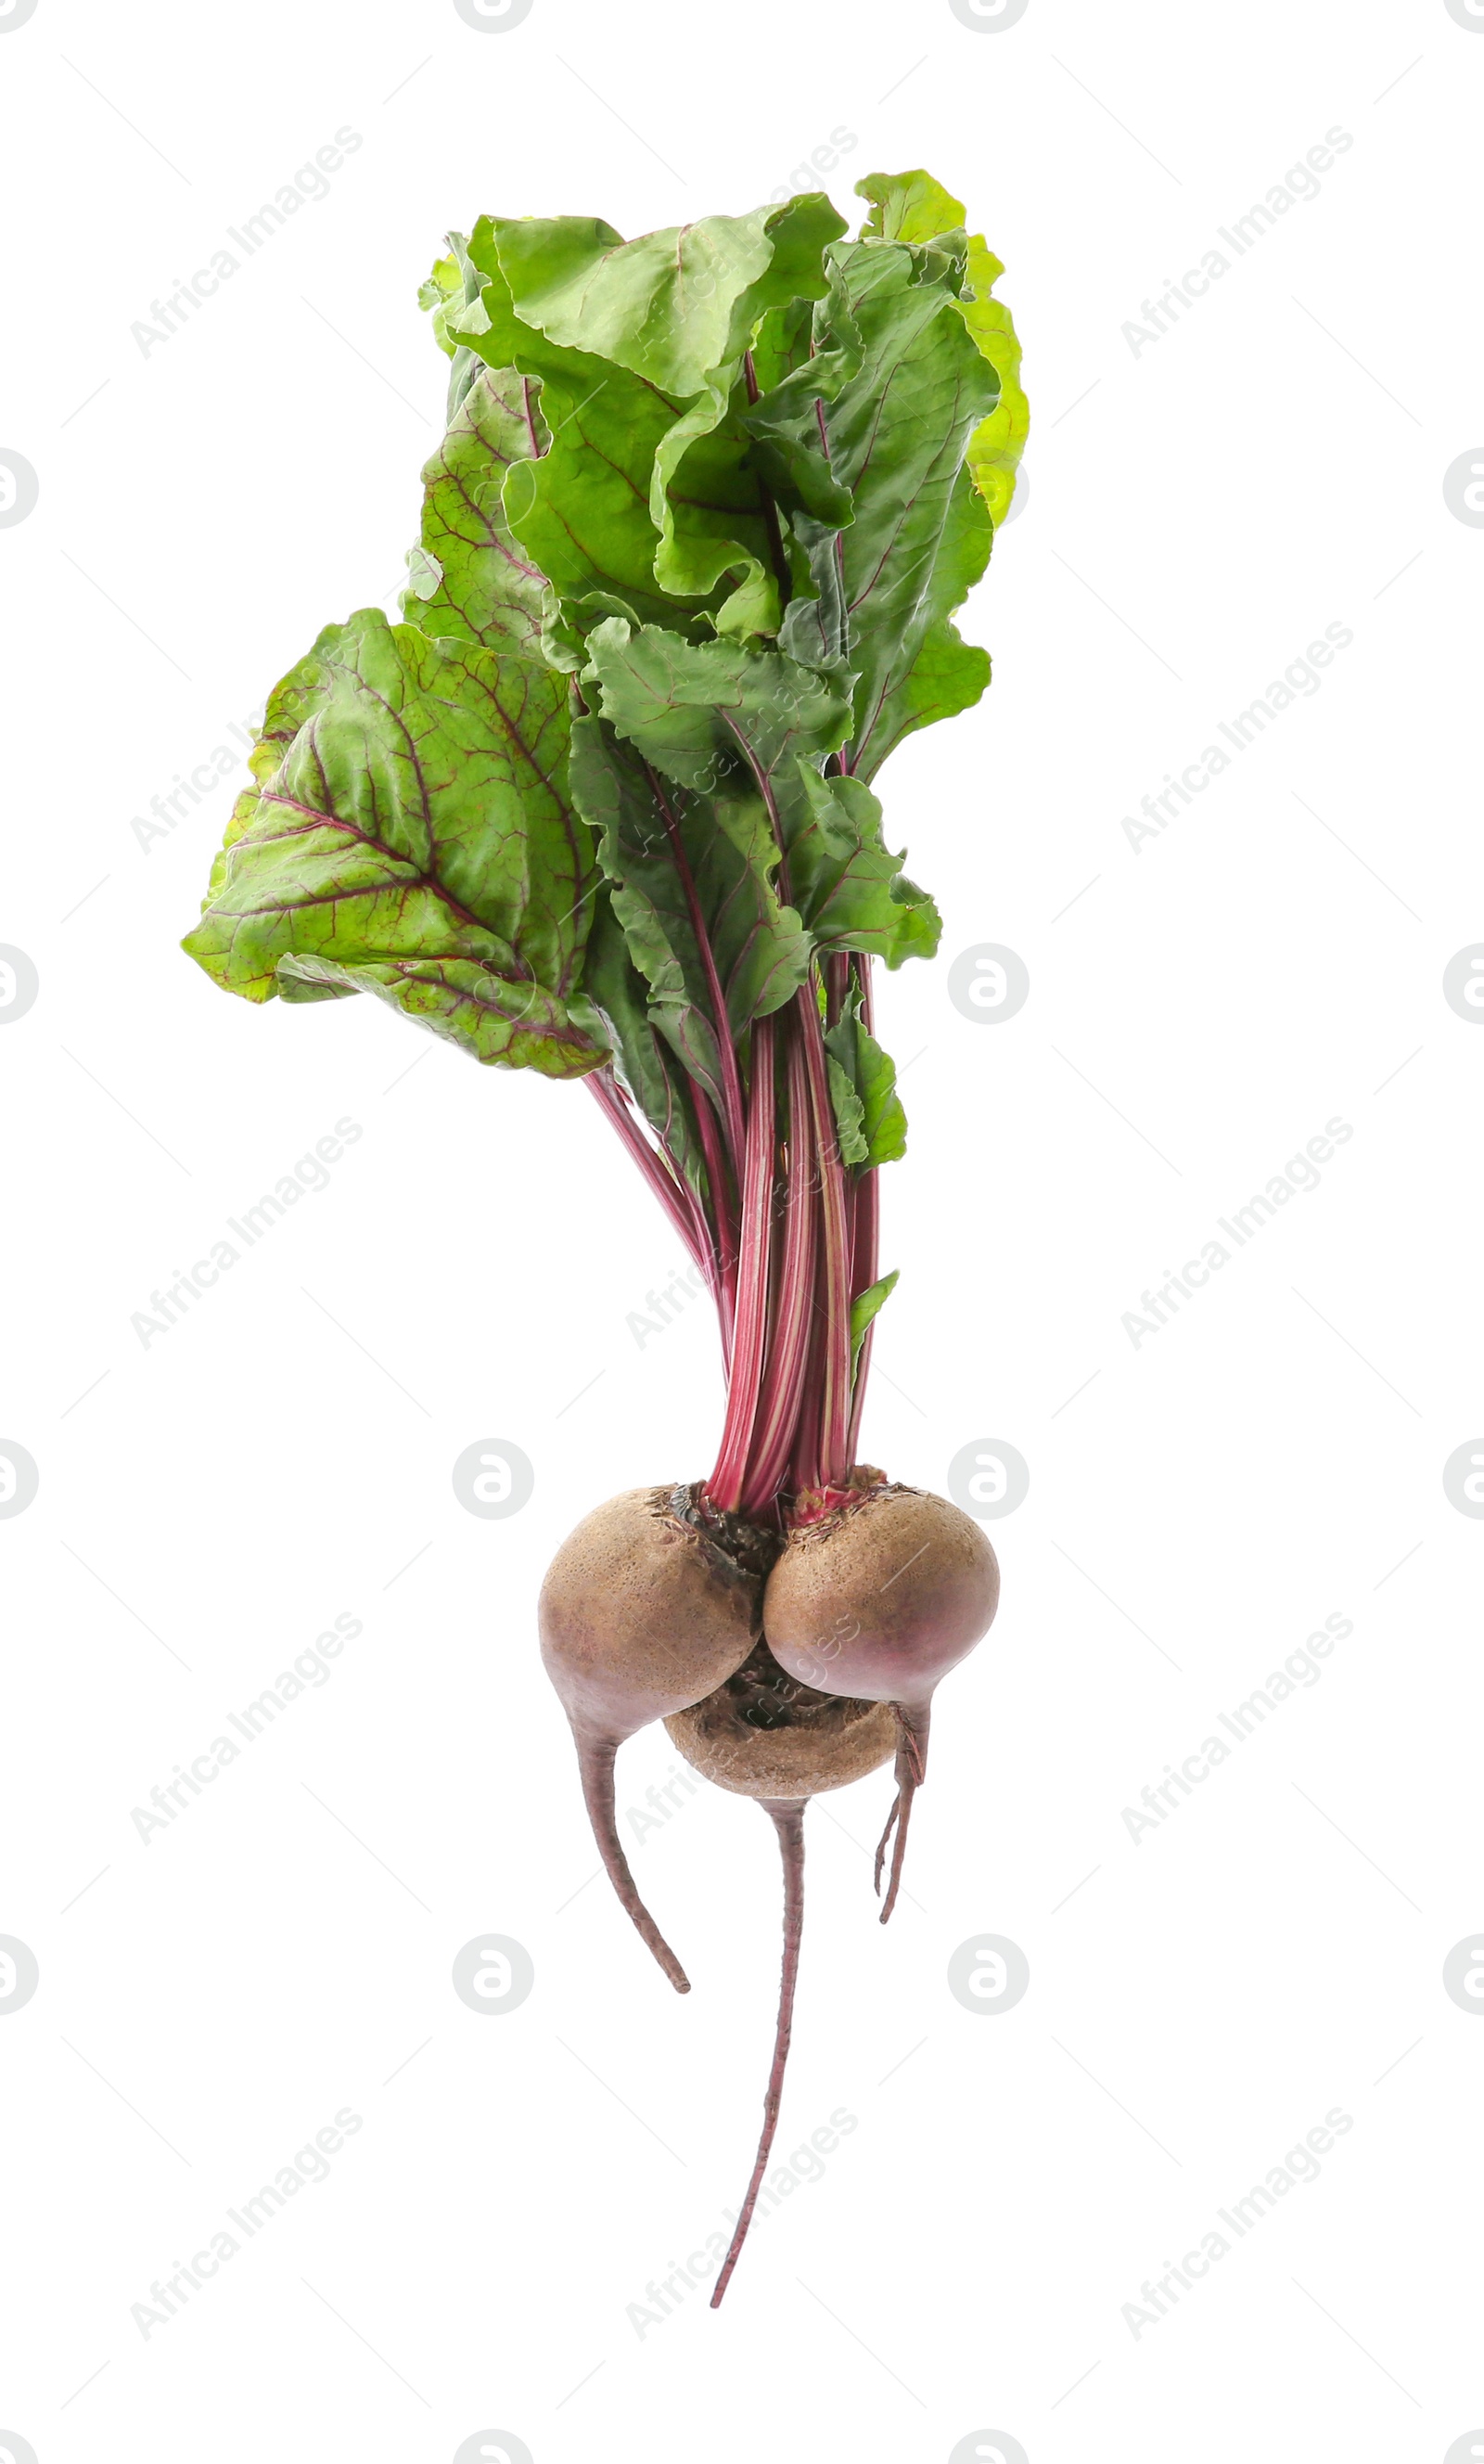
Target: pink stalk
pixel 865 1259
pixel 788 1349
pixel 835 1403
pixel 806 1471
pixel 674 1195
pixel 725 1486
pixel 721 1217
pixel 835 1358
pixel 864 1271
pixel 788 1815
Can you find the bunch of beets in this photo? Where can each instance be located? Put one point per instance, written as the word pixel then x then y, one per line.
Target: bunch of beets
pixel 600 806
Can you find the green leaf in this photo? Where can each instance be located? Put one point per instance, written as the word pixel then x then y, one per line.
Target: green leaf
pixel 864 1308
pixel 705 502
pixel 760 949
pixel 948 675
pixel 653 1077
pixel 451 293
pixel 896 433
pixel 849 1114
pixel 444 284
pixel 651 491
pixel 581 511
pixel 794 375
pixel 919 924
pixel 880 1131
pixel 907 205
pixel 413 837
pixel 846 886
pixel 710 473
pixel 713 713
pixel 912 206
pixel 997 443
pixel 470 579
pixel 747 728
pixel 677 305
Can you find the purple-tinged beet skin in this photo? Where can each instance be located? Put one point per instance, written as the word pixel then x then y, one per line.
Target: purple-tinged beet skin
pixel 881 1598
pixel 646 1607
pixel 764 1735
pixel 877 1600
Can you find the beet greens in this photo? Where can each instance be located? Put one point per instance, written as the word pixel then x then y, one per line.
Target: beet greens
pixel 600 805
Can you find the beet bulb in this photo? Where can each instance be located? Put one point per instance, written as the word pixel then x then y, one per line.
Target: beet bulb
pixel 876 1599
pixel 646 1607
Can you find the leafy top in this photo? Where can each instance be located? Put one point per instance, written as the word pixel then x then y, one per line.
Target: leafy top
pixel 689 555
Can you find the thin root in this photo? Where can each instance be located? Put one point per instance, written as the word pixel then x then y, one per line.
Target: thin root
pixel 595 1761
pixel 911 1768
pixel 891 1824
pixel 788 1815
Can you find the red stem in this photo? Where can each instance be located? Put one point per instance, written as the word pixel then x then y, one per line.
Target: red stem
pixel 725 1486
pixel 828 1452
pixel 863 1271
pixel 806 1472
pixel 721 1217
pixel 788 1349
pixel 674 1195
pixel 835 1277
pixel 865 1260
pixel 788 1815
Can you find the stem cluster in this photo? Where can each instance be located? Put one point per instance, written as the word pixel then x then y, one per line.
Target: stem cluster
pixel 784 1231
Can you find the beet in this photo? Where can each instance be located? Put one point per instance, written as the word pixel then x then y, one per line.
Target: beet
pixel 763 1734
pixel 631 835
pixel 646 1607
pixel 877 1598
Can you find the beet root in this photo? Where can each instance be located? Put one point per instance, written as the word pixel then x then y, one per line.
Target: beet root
pixel 646 1607
pixel 877 1600
pixel 763 1734
pixel 788 1818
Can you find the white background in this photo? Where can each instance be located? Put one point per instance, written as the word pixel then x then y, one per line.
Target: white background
pixel 1198 511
